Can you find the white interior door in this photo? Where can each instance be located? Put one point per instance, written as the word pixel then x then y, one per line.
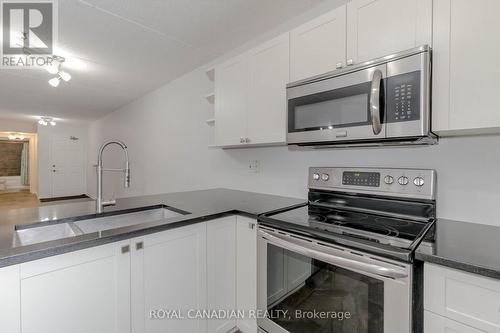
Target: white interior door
pixel 67 166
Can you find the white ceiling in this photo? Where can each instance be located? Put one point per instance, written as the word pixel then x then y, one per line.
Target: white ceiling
pixel 118 50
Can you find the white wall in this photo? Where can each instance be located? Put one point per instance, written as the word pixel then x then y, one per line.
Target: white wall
pixel 9 125
pixel 45 135
pixel 168 138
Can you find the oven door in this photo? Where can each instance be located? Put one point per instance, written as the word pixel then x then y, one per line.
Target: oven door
pixel 342 108
pixel 308 286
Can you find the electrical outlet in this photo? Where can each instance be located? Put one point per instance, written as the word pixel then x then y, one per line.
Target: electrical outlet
pixel 254 166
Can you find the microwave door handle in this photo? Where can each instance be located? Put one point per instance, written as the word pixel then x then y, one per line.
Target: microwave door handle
pixel 375 101
pixel 372 268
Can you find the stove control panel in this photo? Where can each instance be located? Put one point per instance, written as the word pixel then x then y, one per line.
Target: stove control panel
pixel 407 183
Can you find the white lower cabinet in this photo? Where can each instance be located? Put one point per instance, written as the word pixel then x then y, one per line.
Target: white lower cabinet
pixel 221 259
pixel 79 292
pixel 10 302
pixel 155 283
pixel 461 299
pixel 246 271
pixel 169 273
pixel 232 276
pixel 434 323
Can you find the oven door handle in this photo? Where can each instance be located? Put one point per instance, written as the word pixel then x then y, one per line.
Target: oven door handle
pixel 375 111
pixel 338 260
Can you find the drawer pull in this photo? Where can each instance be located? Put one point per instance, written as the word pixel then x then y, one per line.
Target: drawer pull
pixel 125 249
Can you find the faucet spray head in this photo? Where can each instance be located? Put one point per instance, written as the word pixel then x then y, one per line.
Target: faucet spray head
pixel 126 183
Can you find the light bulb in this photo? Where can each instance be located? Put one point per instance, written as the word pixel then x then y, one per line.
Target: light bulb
pixel 65 76
pixel 53 123
pixel 54 82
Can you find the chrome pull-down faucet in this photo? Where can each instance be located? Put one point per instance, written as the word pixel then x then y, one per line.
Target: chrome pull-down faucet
pixel 100 204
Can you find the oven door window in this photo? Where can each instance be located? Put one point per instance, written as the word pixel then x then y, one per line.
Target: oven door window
pixel 344 107
pixel 307 295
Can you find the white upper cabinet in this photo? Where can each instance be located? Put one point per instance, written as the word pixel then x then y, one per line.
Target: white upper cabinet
pixel 250 104
pixel 466 72
pixel 376 28
pixel 319 46
pixel 269 70
pixel 231 102
pixel 84 291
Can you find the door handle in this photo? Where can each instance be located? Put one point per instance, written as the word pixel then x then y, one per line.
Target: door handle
pixel 375 101
pixel 340 259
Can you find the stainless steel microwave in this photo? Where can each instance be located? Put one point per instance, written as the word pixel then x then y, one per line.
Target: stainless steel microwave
pixel 381 102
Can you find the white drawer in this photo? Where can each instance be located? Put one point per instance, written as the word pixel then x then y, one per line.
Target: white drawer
pixel 463 297
pixel 434 323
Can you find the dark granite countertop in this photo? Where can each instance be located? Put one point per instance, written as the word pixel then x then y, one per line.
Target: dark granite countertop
pixel 203 205
pixel 470 247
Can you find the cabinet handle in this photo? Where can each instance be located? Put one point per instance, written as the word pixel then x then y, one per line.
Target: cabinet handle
pixel 242 140
pixel 350 62
pixel 139 245
pixel 251 225
pixel 247 140
pixel 339 65
pixel 125 249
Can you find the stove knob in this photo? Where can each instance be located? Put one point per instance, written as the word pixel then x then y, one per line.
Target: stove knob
pixel 388 180
pixel 325 177
pixel 316 176
pixel 403 180
pixel 419 181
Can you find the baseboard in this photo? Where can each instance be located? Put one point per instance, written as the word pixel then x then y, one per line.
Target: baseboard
pixel 81 196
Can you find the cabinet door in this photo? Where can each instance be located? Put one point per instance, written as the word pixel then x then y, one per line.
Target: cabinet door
pixel 270 72
pixel 465 70
pixel 231 91
pixel 319 45
pixel 10 304
pixel 464 297
pixel 81 292
pixel 221 271
pixel 169 273
pixel 246 271
pixel 434 323
pixel 376 28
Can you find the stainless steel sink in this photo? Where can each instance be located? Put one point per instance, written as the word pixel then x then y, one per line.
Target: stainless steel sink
pixel 44 234
pixel 125 220
pixel 39 234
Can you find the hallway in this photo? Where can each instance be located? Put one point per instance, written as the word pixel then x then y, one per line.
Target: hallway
pixel 25 199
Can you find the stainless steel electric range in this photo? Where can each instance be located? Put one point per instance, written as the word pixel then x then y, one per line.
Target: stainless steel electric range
pixel 344 262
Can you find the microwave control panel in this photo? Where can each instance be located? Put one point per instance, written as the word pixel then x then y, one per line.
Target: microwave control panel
pixel 403 97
